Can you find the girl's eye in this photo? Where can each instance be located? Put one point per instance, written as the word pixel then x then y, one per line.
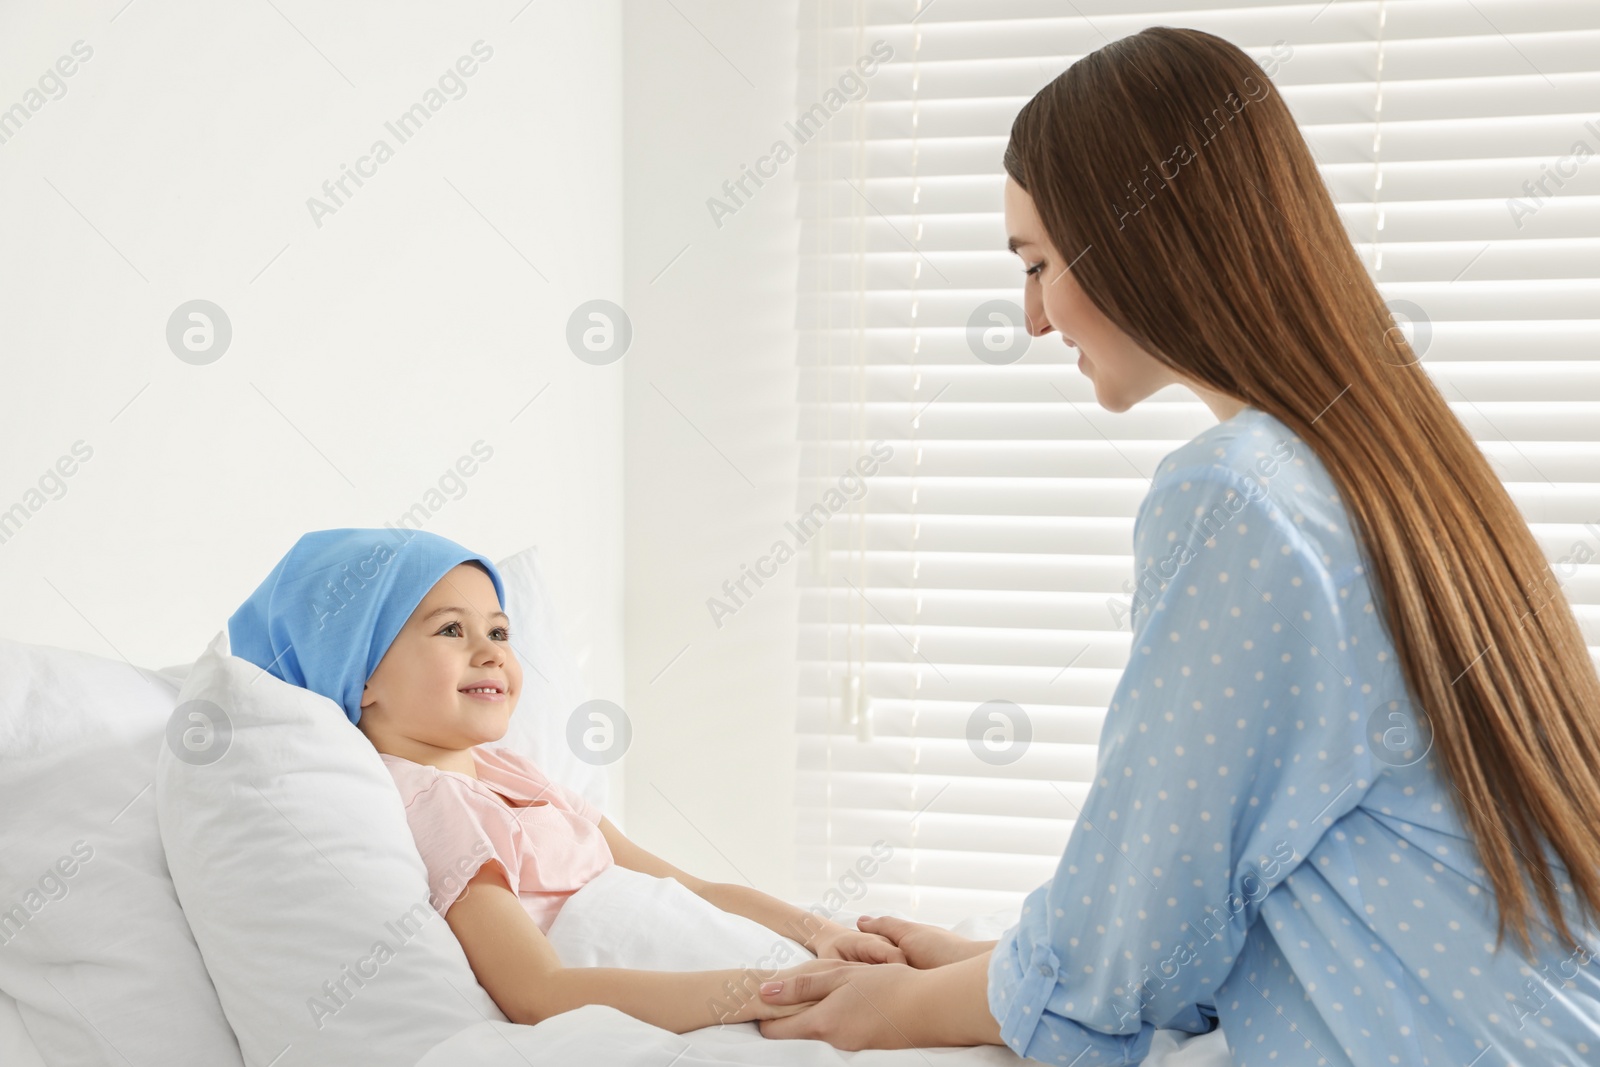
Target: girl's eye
pixel 505 633
pixel 1035 269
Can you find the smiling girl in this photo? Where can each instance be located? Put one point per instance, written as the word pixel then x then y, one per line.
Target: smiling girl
pixel 413 642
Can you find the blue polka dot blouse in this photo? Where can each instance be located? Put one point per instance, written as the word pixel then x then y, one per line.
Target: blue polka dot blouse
pixel 1270 841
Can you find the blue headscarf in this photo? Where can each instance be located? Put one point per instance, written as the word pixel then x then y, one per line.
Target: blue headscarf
pixel 336 601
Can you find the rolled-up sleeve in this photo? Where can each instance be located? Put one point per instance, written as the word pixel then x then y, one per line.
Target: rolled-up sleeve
pixel 1221 762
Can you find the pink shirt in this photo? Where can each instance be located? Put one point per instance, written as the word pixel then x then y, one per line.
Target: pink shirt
pixel 547 839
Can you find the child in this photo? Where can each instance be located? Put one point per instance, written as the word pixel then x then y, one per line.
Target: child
pixel 407 631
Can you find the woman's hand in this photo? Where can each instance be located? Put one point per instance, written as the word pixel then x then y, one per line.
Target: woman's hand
pixel 842 943
pixel 853 1006
pixel 922 946
pixel 758 1007
pixel 849 1006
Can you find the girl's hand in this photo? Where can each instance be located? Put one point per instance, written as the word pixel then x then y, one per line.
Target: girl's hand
pixel 843 943
pixel 920 945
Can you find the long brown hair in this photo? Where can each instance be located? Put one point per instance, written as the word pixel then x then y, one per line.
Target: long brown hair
pixel 1169 172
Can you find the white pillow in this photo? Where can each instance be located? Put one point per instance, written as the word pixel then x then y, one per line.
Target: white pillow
pixel 93 945
pixel 289 848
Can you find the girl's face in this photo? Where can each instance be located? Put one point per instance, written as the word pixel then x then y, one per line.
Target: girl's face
pixel 456 639
pixel 1123 373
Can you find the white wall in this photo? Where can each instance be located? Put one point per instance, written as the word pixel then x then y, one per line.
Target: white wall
pixel 368 353
pixel 711 418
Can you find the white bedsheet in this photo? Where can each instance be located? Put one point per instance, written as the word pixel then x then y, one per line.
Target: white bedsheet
pixel 627 919
pixel 17 1047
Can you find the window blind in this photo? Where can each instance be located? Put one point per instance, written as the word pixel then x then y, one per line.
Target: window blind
pixel 984 560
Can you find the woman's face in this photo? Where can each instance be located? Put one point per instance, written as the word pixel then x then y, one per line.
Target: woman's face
pixel 456 638
pixel 1123 373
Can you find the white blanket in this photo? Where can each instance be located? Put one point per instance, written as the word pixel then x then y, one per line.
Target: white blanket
pixel 627 919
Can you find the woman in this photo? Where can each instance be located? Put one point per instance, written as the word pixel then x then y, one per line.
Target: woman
pixel 1357 737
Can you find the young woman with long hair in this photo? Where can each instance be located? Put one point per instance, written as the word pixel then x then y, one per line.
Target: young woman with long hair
pixel 1357 742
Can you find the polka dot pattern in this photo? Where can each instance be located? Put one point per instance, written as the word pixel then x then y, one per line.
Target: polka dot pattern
pixel 1251 853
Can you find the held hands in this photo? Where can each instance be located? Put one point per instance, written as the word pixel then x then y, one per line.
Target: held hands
pixel 844 954
pixel 897 1003
pixel 861 946
pixel 918 944
pixel 828 997
pixel 764 1007
pixel 885 939
pixel 891 1005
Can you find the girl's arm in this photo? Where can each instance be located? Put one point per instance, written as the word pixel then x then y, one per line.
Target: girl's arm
pixel 810 930
pixel 521 972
